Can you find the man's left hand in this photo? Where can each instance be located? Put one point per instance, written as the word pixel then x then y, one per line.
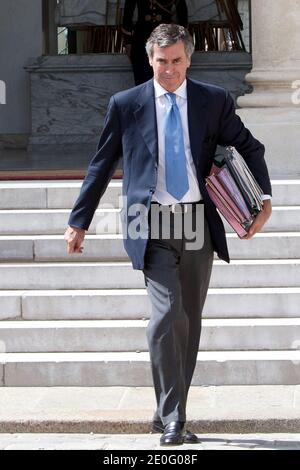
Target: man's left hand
pixel 260 220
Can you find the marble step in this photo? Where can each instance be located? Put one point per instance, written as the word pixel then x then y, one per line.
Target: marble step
pixel 130 335
pixel 133 369
pixel 133 304
pixel 62 194
pixel 107 221
pixel 89 275
pixel 52 248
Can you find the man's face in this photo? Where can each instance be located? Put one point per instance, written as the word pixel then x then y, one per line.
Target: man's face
pixel 170 65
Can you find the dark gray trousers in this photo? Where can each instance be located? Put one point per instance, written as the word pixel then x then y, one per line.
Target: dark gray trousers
pixel 177 281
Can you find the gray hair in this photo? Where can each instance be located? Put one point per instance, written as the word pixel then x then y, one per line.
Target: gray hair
pixel 166 35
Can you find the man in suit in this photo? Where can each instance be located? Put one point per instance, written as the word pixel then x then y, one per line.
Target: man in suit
pixel 167 131
pixel 150 13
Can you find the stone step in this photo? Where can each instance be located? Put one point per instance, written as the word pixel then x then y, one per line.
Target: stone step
pixel 133 304
pixel 133 369
pixel 54 221
pixel 107 221
pixel 130 335
pixel 52 248
pixel 285 192
pixel 102 413
pixel 283 218
pixel 275 245
pixel 84 275
pixel 102 435
pixel 62 194
pixel 50 194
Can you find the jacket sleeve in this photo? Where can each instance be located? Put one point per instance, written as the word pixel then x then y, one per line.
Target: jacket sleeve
pixel 127 24
pixel 100 170
pixel 233 132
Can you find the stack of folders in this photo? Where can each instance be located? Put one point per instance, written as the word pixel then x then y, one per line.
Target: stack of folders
pixel 234 191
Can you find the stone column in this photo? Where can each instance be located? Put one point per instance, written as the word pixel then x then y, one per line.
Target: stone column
pixel 272 110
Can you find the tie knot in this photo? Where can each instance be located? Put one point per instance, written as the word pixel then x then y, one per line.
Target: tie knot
pixel 171 97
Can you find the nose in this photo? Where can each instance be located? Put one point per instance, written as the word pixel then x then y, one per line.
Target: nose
pixel 169 70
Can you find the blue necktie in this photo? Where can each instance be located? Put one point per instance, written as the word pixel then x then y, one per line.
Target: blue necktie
pixel 175 160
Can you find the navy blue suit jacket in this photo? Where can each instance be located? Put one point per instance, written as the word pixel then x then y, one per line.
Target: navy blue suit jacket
pixel 130 132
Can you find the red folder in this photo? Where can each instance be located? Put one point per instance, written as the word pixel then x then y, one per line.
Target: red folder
pixel 235 224
pixel 230 188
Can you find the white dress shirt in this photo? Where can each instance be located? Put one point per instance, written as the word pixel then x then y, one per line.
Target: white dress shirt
pixel 162 106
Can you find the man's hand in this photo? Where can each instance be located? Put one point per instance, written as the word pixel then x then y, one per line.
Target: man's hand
pixel 74 238
pixel 259 220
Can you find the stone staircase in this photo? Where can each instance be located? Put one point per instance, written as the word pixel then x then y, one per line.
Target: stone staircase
pixel 80 320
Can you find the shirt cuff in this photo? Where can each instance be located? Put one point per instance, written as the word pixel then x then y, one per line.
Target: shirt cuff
pixel 264 197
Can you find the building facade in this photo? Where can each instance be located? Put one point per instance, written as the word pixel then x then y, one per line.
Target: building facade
pixel 58 100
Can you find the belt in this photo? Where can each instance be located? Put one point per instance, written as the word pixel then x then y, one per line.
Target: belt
pixel 180 207
pixel 153 18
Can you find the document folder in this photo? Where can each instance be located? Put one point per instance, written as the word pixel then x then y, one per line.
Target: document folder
pixel 234 191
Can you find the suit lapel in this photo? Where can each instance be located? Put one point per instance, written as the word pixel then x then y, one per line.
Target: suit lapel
pixel 145 115
pixel 197 118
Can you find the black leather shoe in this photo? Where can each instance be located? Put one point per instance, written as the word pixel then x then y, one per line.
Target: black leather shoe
pixel 173 434
pixel 189 437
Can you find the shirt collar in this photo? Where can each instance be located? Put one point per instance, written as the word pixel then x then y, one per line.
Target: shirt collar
pixel 181 91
